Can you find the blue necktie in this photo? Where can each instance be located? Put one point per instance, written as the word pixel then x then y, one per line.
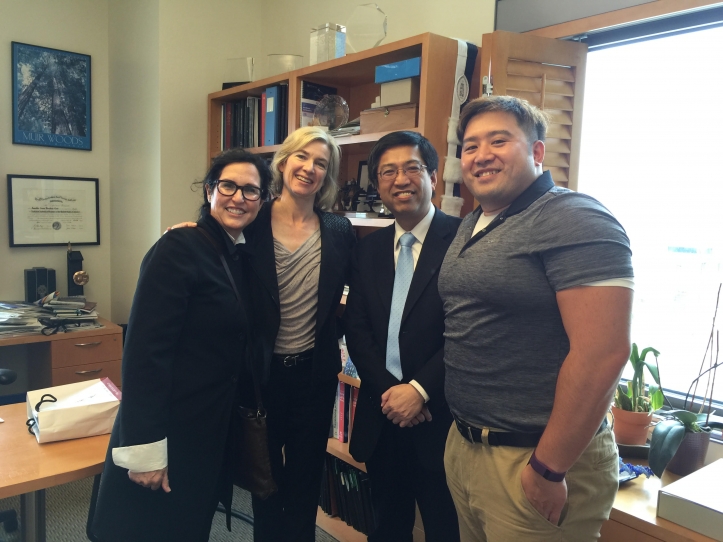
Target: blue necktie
pixel 402 280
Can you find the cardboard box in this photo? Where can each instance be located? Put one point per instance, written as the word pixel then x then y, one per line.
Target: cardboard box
pixel 696 501
pixel 387 119
pixel 403 91
pixel 398 70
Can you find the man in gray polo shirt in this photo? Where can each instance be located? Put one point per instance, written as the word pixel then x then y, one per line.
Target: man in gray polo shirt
pixel 537 292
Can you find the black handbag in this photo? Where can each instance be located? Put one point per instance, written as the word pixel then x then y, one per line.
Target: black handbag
pixel 250 458
pixel 251 463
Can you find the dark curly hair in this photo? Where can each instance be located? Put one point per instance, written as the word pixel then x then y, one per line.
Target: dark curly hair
pixel 235 156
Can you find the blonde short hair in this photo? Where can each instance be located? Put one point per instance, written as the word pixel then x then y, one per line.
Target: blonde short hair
pixel 296 141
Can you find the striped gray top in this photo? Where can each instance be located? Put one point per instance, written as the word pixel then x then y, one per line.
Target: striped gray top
pixel 298 278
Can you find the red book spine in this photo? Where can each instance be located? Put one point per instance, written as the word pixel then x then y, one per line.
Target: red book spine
pixel 342 411
pixel 352 409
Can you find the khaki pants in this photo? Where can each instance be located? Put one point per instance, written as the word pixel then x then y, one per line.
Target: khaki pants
pixel 492 507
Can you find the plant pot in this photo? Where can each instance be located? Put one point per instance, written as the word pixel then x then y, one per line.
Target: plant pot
pixel 631 427
pixel 691 454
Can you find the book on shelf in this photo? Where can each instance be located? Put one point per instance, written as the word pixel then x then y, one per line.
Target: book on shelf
pixel 272 112
pixel 282 131
pixel 345 494
pixel 311 94
pixel 344 410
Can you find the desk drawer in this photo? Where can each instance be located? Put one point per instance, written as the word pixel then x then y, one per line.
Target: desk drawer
pixel 85 350
pixel 70 375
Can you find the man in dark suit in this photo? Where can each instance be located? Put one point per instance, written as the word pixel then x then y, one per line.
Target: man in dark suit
pixel 394 329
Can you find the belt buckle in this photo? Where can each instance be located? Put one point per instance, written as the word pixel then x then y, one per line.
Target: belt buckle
pixel 290 361
pixel 469 434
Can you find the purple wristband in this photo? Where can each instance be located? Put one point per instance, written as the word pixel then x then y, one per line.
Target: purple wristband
pixel 540 468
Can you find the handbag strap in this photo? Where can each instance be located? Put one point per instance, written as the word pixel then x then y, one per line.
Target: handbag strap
pixel 214 244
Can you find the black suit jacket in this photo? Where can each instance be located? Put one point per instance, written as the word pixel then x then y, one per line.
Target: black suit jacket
pixel 421 337
pixel 337 242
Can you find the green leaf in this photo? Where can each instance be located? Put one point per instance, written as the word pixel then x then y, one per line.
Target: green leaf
pixel 622 400
pixel 664 442
pixel 685 416
pixel 657 399
pixel 645 352
pixel 653 371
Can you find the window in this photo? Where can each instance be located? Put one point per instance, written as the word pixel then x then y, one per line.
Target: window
pixel 652 152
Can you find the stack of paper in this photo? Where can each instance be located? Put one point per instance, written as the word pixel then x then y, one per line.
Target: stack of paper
pixel 696 501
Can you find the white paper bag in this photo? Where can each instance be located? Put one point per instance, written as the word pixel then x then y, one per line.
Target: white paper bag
pixel 84 409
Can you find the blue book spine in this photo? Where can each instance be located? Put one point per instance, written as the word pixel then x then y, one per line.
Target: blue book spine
pixel 398 70
pixel 272 108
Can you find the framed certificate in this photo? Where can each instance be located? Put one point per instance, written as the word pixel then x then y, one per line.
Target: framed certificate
pixel 53 211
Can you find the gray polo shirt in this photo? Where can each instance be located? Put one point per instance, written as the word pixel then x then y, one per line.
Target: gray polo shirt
pixel 504 338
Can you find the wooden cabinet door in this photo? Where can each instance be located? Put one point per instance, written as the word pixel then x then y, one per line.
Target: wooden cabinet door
pixel 549 74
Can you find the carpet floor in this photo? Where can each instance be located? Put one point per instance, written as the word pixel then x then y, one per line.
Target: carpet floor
pixel 67 512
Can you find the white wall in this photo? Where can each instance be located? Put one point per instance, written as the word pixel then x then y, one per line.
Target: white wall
pixel 524 15
pixel 135 142
pixel 292 21
pixel 166 57
pixel 195 40
pixel 80 26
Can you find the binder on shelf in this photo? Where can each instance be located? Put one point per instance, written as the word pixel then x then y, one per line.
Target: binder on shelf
pixel 398 70
pixel 272 99
pixel 262 114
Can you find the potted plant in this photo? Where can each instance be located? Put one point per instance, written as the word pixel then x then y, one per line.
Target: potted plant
pixel 633 408
pixel 680 441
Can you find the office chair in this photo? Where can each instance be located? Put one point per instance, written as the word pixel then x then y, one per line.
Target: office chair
pixel 8 518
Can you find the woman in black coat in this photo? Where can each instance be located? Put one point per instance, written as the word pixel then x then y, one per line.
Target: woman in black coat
pixel 299 263
pixel 185 351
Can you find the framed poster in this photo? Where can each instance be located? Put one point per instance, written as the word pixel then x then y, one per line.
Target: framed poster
pixel 51 97
pixel 53 211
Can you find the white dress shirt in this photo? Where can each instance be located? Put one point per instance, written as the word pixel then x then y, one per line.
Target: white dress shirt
pixel 420 233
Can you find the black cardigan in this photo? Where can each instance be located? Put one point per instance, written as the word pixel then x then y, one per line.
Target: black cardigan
pixel 337 242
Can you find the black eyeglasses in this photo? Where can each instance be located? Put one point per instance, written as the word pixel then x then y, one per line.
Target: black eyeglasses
pixel 229 188
pixel 413 171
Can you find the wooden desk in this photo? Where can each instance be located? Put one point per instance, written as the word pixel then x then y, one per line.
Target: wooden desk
pixel 28 468
pixel 633 518
pixel 64 358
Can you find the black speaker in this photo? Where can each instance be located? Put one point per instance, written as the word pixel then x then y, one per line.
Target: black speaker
pixel 39 282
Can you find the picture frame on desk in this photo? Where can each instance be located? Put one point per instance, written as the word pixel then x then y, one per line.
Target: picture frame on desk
pixel 53 211
pixel 51 97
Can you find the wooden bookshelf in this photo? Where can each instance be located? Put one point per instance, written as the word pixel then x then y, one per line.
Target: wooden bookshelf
pixel 341 450
pixel 338 528
pixel 349 380
pixel 353 77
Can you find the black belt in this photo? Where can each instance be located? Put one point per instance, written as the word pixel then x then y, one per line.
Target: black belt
pixel 290 360
pixel 504 438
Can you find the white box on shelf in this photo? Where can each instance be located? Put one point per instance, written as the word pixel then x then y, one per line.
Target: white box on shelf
pixel 400 92
pixel 696 501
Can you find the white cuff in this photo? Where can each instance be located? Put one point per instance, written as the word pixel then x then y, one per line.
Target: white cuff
pixel 420 389
pixel 142 457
